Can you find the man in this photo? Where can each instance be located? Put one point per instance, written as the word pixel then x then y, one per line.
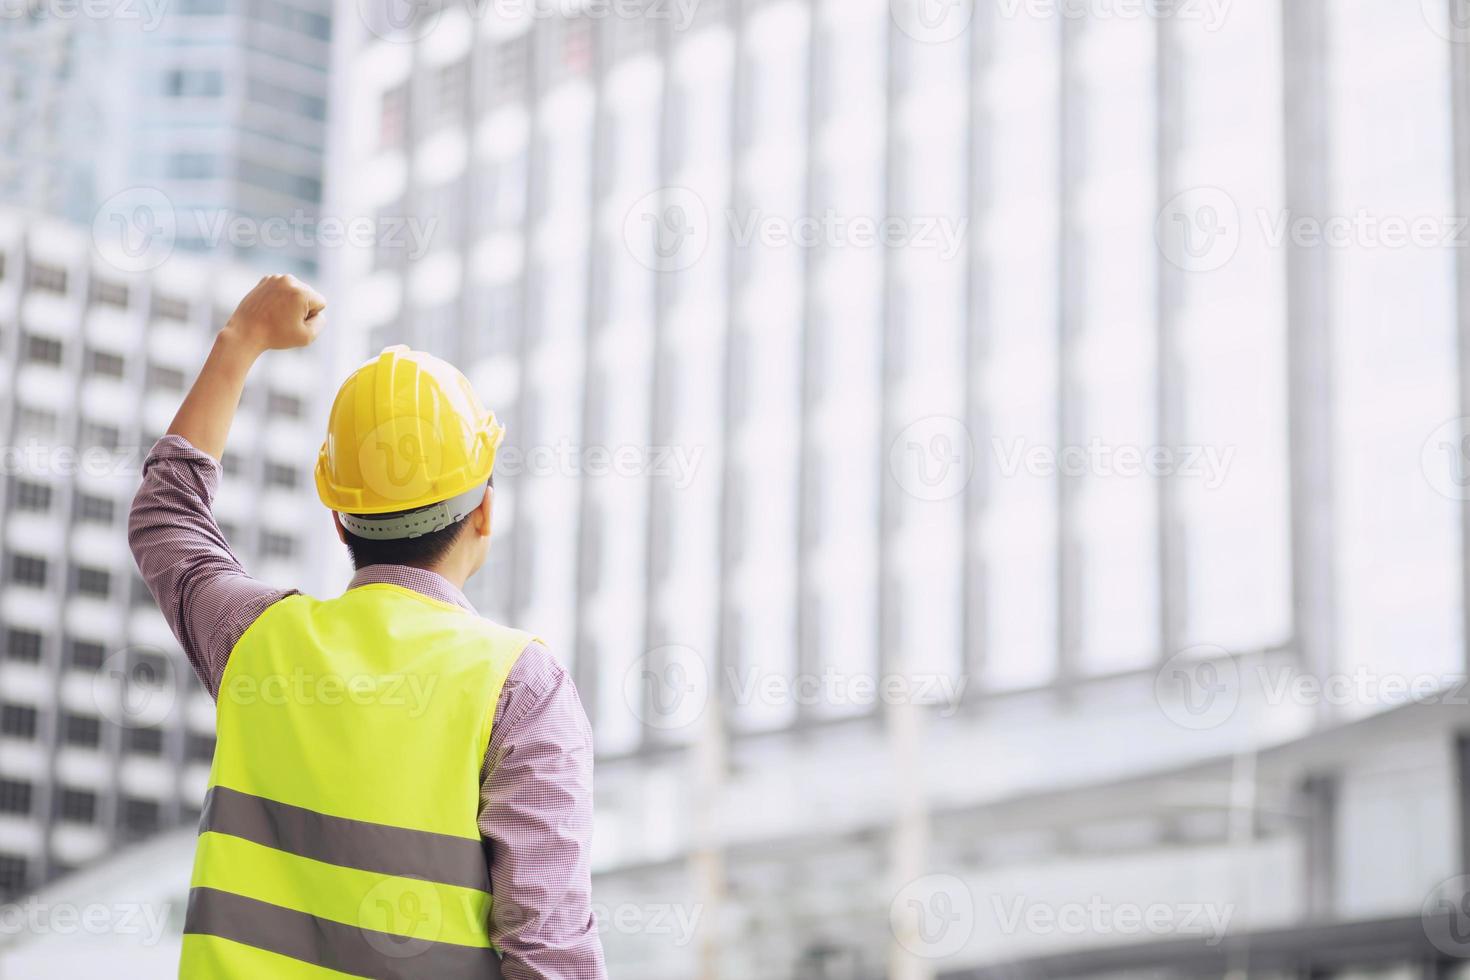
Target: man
pixel 386 760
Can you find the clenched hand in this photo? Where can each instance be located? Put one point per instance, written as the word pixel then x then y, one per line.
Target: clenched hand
pixel 281 312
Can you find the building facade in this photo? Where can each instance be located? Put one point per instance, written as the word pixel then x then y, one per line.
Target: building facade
pixel 1169 403
pixel 105 735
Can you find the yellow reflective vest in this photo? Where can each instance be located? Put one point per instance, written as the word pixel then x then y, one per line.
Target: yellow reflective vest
pixel 339 833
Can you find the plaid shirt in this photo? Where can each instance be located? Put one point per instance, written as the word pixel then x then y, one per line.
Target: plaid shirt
pixel 536 781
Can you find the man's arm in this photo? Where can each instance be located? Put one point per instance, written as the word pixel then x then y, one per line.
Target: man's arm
pixel 200 586
pixel 536 819
pixel 279 313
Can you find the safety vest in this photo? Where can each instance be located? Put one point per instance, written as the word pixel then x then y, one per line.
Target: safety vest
pixel 339 833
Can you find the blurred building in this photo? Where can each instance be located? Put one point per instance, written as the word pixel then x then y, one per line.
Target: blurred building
pixel 217 107
pixel 1139 429
pixel 50 110
pixel 105 735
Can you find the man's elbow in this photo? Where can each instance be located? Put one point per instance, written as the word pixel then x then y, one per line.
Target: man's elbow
pixel 138 526
pixel 147 519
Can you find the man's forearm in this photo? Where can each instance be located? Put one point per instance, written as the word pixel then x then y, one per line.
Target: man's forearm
pixel 208 410
pixel 279 313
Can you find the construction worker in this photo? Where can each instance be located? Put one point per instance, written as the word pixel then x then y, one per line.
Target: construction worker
pixel 385 760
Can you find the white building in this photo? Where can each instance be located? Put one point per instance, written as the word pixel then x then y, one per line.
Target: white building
pixel 654 229
pixel 105 735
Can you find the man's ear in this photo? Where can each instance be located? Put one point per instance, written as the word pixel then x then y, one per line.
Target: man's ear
pixel 483 513
pixel 341 531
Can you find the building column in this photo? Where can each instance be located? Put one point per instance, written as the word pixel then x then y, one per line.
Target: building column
pixel 1309 329
pixel 1460 112
pixel 1169 399
pixel 1318 801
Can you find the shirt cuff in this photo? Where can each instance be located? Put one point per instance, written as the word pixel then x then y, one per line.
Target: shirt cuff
pixel 177 447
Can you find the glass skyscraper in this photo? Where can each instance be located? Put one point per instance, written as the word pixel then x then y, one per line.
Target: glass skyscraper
pixel 213 113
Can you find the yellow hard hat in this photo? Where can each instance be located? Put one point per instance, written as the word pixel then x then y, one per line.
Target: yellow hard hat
pixel 406 432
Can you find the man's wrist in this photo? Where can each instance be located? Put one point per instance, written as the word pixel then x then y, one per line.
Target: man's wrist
pixel 237 342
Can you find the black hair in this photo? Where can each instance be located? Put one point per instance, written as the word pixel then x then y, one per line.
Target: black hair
pixel 424 551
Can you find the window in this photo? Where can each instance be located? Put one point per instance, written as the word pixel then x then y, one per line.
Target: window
pixel 96 582
pixel 496 320
pixel 95 510
pixel 96 434
pixel 85 654
pixel 76 806
pixel 83 730
pixel 28 570
pixel 32 496
pixel 140 816
pixel 389 251
pixel 105 293
pixel 502 191
pixel 42 350
pixel 37 422
pixel 577 46
pixel 22 645
pixel 46 278
pixel 278 97
pixel 193 166
pixel 166 378
pixel 276 545
pixel 292 19
pixel 18 720
pixel 199 748
pixel 12 873
pixel 103 364
pixel 280 180
pixel 280 475
pixel 170 308
pixel 193 83
pixel 509 61
pixel 393 117
pixel 447 94
pixel 151 668
pixel 15 796
pixel 145 741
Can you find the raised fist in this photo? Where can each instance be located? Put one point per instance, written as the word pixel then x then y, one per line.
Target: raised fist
pixel 279 313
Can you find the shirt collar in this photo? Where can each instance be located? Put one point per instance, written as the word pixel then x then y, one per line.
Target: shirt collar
pixel 419 580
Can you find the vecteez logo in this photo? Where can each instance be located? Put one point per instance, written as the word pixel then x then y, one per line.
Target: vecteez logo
pixel 933 459
pixel 668 688
pixel 933 21
pixel 1198 688
pixel 933 917
pixel 1199 230
pixel 135 229
pixel 668 230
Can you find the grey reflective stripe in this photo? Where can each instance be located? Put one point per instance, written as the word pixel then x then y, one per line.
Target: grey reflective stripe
pixel 348 843
pixel 325 942
pixel 414 523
